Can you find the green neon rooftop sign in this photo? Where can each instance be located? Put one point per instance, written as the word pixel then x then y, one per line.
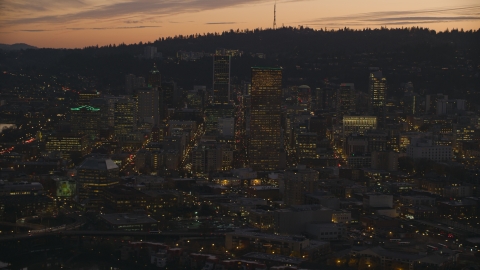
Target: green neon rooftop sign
pixel 85 107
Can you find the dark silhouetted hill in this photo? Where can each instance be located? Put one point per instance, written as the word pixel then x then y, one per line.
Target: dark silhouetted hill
pixel 433 61
pixel 16 47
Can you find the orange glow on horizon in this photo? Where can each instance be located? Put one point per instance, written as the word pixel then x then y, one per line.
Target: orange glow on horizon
pixel 73 24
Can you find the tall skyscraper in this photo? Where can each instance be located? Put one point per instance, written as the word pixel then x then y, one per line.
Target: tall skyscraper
pixel 154 78
pixel 346 99
pixel 265 117
pixel 221 79
pixel 377 91
pixel 169 92
pixel 86 119
pixel 124 117
pixel 129 83
pixel 304 97
pixel 148 105
pixel 155 81
pixel 326 98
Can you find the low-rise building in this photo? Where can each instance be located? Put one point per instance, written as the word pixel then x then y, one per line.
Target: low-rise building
pixel 425 149
pixel 14 207
pixel 379 222
pixel 326 231
pixel 261 219
pixel 419 212
pixel 457 191
pixel 20 188
pixel 294 246
pixel 129 222
pixel 417 200
pixel 375 200
pixel 457 209
pixel 265 192
pixel 378 257
pixel 295 219
pixel 342 216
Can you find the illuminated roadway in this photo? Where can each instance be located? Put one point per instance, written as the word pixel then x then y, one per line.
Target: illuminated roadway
pixel 106 233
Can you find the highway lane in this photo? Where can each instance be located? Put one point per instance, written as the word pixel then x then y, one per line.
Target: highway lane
pixel 106 233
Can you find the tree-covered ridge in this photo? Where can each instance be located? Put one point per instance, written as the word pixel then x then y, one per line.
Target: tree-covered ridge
pixel 444 61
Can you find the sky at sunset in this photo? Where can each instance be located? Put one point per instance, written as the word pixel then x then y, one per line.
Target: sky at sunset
pixel 79 23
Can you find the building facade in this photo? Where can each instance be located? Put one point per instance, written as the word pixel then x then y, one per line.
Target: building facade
pixel 148 106
pixel 358 124
pixel 85 119
pixel 377 91
pixel 124 117
pixel 265 119
pixel 424 149
pixel 346 99
pixel 221 79
pixel 299 181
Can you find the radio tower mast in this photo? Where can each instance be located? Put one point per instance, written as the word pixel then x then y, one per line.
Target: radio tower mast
pixel 275 16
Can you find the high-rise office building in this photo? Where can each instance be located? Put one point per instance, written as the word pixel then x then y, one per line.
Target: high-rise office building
pixel 85 97
pixel 154 77
pixel 265 119
pixel 197 98
pixel 170 95
pixel 148 105
pixel 129 83
pixel 154 80
pixel 304 97
pixel 207 157
pixel 377 91
pixel 221 79
pixel 326 98
pixel 298 182
pixel 213 113
pixel 306 145
pixel 346 99
pixel 411 103
pixel 93 176
pixel 102 104
pixel 133 82
pixel 69 145
pixel 431 102
pixel 124 117
pixel 110 108
pixel 157 134
pixel 86 119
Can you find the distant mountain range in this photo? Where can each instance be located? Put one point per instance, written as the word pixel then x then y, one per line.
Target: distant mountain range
pixel 16 47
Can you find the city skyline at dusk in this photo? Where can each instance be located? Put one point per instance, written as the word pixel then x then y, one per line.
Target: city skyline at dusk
pixel 205 134
pixel 80 23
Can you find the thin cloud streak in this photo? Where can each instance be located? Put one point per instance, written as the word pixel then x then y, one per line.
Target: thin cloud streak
pixel 141 7
pixel 459 18
pixel 466 13
pixel 221 23
pixel 109 28
pixel 34 30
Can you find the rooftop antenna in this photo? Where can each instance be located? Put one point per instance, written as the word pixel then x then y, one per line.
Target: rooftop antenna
pixel 275 16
